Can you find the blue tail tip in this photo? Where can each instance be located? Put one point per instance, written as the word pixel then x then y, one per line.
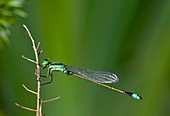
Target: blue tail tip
pixel 134 95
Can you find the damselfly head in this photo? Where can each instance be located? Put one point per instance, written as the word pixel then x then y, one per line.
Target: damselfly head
pixel 45 63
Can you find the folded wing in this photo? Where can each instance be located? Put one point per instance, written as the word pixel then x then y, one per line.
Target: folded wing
pixel 93 75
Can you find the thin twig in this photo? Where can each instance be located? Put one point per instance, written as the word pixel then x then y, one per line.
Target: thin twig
pixel 40 52
pixel 28 59
pixel 41 107
pixel 26 108
pixel 38 45
pixel 30 36
pixel 29 90
pixel 49 100
pixel 39 112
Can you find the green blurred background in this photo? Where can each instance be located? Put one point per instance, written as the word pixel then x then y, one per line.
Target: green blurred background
pixel 128 37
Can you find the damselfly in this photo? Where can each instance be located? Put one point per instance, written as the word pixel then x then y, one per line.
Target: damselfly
pixel 95 76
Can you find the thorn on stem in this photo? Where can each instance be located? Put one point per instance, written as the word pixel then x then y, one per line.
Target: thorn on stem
pixel 29 90
pixel 40 52
pixel 26 108
pixel 49 100
pixel 28 59
pixel 38 45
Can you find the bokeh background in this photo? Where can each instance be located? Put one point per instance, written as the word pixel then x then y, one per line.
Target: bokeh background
pixel 128 37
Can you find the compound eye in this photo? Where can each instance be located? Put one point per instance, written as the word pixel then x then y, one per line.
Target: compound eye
pixel 45 62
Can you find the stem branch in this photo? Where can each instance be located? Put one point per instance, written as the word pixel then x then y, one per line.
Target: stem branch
pixel 39 112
